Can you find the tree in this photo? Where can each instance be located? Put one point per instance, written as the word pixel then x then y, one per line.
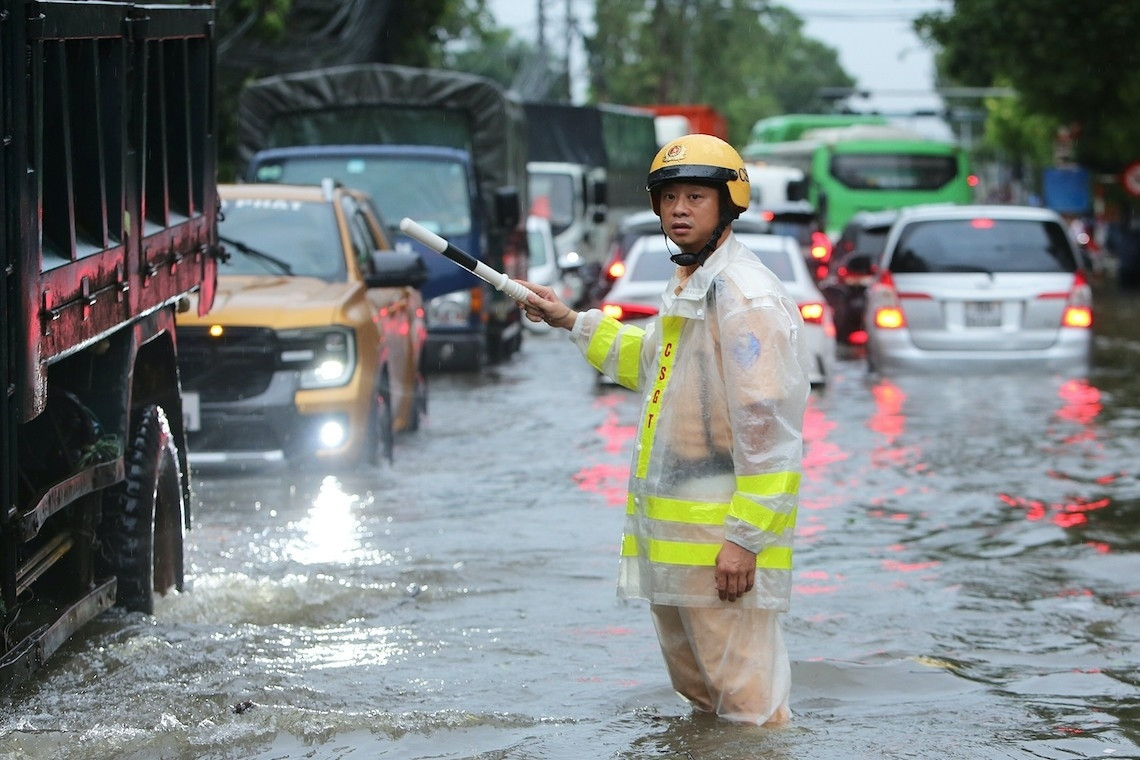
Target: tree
pixel 747 58
pixel 1071 63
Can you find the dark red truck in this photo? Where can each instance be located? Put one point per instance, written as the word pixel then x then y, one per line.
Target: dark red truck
pixel 108 222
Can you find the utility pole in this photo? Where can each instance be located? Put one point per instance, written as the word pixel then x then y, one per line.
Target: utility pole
pixel 569 44
pixel 541 28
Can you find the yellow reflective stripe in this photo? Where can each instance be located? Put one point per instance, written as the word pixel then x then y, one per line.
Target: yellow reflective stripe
pixel 770 484
pixel 764 518
pixel 601 341
pixel 692 512
pixel 775 558
pixel 670 333
pixel 704 555
pixel 683 553
pixel 629 357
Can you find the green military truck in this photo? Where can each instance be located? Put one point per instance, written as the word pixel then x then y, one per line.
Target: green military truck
pixel 109 222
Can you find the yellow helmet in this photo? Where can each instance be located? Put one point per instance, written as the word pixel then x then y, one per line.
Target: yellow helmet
pixel 700 158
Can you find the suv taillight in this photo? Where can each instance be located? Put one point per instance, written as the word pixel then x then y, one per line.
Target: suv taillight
pixel 888 312
pixel 820 247
pixel 624 311
pixel 812 312
pixel 1078 308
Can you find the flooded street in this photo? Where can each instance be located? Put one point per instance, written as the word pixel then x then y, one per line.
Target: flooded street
pixel 967 585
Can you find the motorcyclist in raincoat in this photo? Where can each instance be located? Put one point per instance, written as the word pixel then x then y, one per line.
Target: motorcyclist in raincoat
pixel 714 481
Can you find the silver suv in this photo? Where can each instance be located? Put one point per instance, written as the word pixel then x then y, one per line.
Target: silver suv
pixel 983 287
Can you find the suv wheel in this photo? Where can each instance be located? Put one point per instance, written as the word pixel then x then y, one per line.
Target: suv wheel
pixel 380 441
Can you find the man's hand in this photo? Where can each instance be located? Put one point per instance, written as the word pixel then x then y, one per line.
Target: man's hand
pixel 735 571
pixel 544 306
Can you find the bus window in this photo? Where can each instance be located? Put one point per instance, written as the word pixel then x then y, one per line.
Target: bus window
pixel 893 171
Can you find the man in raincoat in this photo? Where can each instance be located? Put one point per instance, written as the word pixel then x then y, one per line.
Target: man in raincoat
pixel 714 481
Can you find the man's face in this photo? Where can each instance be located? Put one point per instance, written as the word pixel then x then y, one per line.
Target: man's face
pixel 689 214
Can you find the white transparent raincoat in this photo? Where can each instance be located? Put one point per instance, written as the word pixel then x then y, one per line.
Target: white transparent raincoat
pixel 718 449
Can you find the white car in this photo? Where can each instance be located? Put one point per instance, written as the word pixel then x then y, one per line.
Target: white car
pixel 545 268
pixel 636 295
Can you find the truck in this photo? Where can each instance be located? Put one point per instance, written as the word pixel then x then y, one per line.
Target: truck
pixel 566 168
pixel 672 120
pixel 108 225
pixel 587 166
pixel 444 148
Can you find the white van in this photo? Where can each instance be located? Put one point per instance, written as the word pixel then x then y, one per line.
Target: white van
pixel 775 185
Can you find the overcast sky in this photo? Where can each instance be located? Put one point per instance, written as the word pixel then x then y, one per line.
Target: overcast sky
pixel 873 38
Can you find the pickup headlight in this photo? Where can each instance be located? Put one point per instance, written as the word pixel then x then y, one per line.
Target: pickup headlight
pixel 323 357
pixel 450 310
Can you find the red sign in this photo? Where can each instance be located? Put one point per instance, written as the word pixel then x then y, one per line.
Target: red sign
pixel 1130 179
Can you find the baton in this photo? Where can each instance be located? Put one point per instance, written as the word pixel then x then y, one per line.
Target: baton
pixel 433 241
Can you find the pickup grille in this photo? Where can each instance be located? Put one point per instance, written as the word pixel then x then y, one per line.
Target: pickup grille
pixel 236 366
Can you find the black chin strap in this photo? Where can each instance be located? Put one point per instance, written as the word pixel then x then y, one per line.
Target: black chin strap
pixel 683 259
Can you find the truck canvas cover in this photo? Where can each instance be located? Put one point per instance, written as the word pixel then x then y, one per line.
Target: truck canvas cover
pixel 565 133
pixel 621 139
pixel 365 104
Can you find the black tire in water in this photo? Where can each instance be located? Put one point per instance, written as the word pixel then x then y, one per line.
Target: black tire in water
pixel 419 403
pixel 143 517
pixel 381 440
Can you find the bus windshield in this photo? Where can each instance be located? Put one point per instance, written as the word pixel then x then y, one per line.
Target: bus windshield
pixel 893 171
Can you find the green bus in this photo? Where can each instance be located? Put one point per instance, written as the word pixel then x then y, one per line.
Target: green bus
pixel 791 126
pixel 869 167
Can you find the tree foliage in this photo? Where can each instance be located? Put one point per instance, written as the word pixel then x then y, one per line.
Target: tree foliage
pixel 1072 63
pixel 258 38
pixel 747 58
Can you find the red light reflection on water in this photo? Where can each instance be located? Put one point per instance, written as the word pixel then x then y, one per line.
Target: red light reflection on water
pixel 819 582
pixel 889 421
pixel 610 478
pixel 894 566
pixel 818 451
pixel 1081 402
pixel 1065 515
pixel 817 491
pixel 888 418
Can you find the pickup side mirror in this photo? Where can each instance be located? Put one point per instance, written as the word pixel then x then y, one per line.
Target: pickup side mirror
pixel 396 269
pixel 599 214
pixel 797 190
pixel 601 193
pixel 507 207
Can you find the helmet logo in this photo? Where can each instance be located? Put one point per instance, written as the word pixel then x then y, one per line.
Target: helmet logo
pixel 675 153
pixel 742 174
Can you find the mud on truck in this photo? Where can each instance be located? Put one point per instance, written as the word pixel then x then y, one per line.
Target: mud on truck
pixel 109 221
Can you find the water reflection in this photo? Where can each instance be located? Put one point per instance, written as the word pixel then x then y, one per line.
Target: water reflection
pixel 331 531
pixel 610 477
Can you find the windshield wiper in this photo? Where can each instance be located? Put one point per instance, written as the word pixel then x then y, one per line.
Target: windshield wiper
pixel 284 266
pixel 969 268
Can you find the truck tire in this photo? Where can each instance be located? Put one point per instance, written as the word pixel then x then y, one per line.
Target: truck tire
pixel 143 517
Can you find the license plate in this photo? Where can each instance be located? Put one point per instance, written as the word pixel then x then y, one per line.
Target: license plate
pixel 983 314
pixel 191 411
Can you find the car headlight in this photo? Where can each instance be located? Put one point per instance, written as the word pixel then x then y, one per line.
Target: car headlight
pixel 450 310
pixel 323 357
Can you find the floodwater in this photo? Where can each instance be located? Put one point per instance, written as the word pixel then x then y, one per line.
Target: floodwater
pixel 967 585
